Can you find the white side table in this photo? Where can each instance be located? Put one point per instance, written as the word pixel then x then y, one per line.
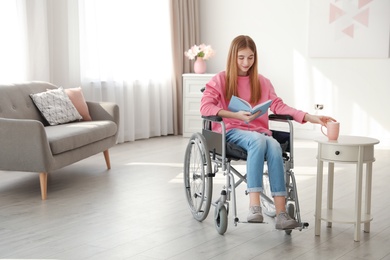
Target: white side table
pixel 347 149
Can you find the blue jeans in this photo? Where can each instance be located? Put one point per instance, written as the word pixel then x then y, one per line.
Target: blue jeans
pixel 261 147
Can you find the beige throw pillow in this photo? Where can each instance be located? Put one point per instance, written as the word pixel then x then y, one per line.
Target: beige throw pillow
pixel 77 98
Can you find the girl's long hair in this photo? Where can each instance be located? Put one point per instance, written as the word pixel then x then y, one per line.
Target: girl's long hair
pixel 239 43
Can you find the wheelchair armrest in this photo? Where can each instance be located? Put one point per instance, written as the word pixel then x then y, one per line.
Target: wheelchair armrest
pixel 280 117
pixel 213 118
pixel 271 117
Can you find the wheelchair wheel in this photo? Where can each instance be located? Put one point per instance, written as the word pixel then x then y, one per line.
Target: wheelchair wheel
pixel 198 183
pixel 221 220
pixel 267 204
pixel 290 208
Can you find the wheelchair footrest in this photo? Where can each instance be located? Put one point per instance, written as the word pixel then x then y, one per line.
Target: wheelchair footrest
pixel 302 226
pixel 246 222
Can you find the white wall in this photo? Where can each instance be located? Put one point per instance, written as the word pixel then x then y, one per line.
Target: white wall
pixel 354 91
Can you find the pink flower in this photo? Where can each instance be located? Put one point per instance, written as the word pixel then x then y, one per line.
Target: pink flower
pixel 203 51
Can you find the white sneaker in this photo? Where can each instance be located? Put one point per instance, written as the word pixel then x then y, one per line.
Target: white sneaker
pixel 255 215
pixel 284 221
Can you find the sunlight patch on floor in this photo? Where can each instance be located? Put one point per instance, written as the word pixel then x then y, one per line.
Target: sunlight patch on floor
pixel 179 165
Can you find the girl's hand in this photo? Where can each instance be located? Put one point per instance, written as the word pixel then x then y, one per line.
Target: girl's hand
pixel 246 116
pixel 241 115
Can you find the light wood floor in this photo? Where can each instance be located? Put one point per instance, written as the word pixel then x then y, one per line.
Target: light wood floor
pixel 137 210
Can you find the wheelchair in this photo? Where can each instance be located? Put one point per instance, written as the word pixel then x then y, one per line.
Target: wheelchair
pixel 208 152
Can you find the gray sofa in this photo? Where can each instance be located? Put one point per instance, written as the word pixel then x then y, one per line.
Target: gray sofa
pixel 29 144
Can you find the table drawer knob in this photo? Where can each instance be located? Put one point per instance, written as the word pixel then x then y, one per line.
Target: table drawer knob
pixel 337 152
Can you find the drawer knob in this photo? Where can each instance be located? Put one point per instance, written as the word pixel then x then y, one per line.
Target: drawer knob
pixel 337 152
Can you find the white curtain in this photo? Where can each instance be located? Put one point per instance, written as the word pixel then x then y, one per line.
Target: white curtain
pixel 125 57
pixel 117 50
pixel 24 51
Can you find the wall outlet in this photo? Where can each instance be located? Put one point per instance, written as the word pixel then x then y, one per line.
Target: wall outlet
pixel 318 106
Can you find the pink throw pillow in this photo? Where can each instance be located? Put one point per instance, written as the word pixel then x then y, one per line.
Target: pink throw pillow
pixel 77 98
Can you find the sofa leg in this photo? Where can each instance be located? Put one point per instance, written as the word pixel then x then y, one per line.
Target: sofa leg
pixel 107 158
pixel 43 182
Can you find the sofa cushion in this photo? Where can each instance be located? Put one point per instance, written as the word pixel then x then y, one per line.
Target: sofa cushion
pixel 76 96
pixel 71 136
pixel 56 106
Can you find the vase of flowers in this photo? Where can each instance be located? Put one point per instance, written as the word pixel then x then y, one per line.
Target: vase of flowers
pixel 201 53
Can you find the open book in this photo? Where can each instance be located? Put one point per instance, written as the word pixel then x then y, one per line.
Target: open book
pixel 238 104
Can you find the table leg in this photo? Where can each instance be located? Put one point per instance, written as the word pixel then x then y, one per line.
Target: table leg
pixel 318 193
pixel 330 188
pixel 368 195
pixel 358 194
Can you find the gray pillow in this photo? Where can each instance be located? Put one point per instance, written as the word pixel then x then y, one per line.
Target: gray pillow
pixel 55 106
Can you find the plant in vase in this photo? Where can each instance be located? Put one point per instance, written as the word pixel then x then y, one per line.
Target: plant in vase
pixel 201 52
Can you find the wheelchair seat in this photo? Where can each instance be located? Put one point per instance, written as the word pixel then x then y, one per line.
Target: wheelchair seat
pixel 236 152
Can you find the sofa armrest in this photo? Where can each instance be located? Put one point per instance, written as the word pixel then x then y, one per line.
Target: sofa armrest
pixel 24 146
pixel 103 111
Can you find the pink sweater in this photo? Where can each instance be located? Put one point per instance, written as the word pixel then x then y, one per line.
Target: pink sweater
pixel 213 100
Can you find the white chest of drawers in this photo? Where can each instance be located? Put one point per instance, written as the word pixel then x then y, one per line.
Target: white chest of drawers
pixel 192 85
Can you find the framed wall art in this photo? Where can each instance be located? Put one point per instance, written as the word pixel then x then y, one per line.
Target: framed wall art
pixel 349 28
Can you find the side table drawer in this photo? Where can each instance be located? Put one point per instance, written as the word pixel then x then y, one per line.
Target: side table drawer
pixel 346 153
